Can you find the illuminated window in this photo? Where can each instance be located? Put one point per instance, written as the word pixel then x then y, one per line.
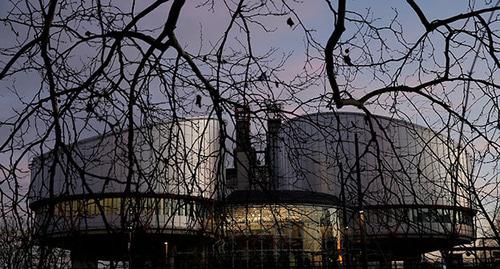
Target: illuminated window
pixel 166 206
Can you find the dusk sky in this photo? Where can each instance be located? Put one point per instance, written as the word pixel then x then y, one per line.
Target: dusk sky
pixel 212 23
pixel 200 28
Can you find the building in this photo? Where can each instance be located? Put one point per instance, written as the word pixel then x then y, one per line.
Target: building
pixel 335 190
pixel 484 252
pixel 158 212
pixel 407 185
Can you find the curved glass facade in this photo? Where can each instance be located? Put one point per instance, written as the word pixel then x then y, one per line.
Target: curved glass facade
pixel 114 213
pixel 417 221
pixel 283 236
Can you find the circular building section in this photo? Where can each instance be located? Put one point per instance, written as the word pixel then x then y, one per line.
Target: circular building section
pixel 283 229
pixel 406 184
pixel 102 201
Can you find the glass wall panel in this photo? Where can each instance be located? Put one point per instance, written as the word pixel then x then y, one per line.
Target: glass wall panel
pixel 290 236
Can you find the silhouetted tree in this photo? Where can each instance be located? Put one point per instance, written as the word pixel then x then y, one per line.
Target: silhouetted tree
pixel 70 70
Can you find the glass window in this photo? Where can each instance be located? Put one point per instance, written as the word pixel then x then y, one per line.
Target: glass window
pixel 294 232
pixel 180 208
pixel 165 206
pixel 191 209
pixel 187 209
pixel 173 207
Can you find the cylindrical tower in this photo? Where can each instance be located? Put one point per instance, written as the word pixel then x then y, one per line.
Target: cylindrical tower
pixel 151 205
pixel 407 184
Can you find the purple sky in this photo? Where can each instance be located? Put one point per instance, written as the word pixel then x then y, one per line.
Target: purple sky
pixel 193 20
pixel 212 23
